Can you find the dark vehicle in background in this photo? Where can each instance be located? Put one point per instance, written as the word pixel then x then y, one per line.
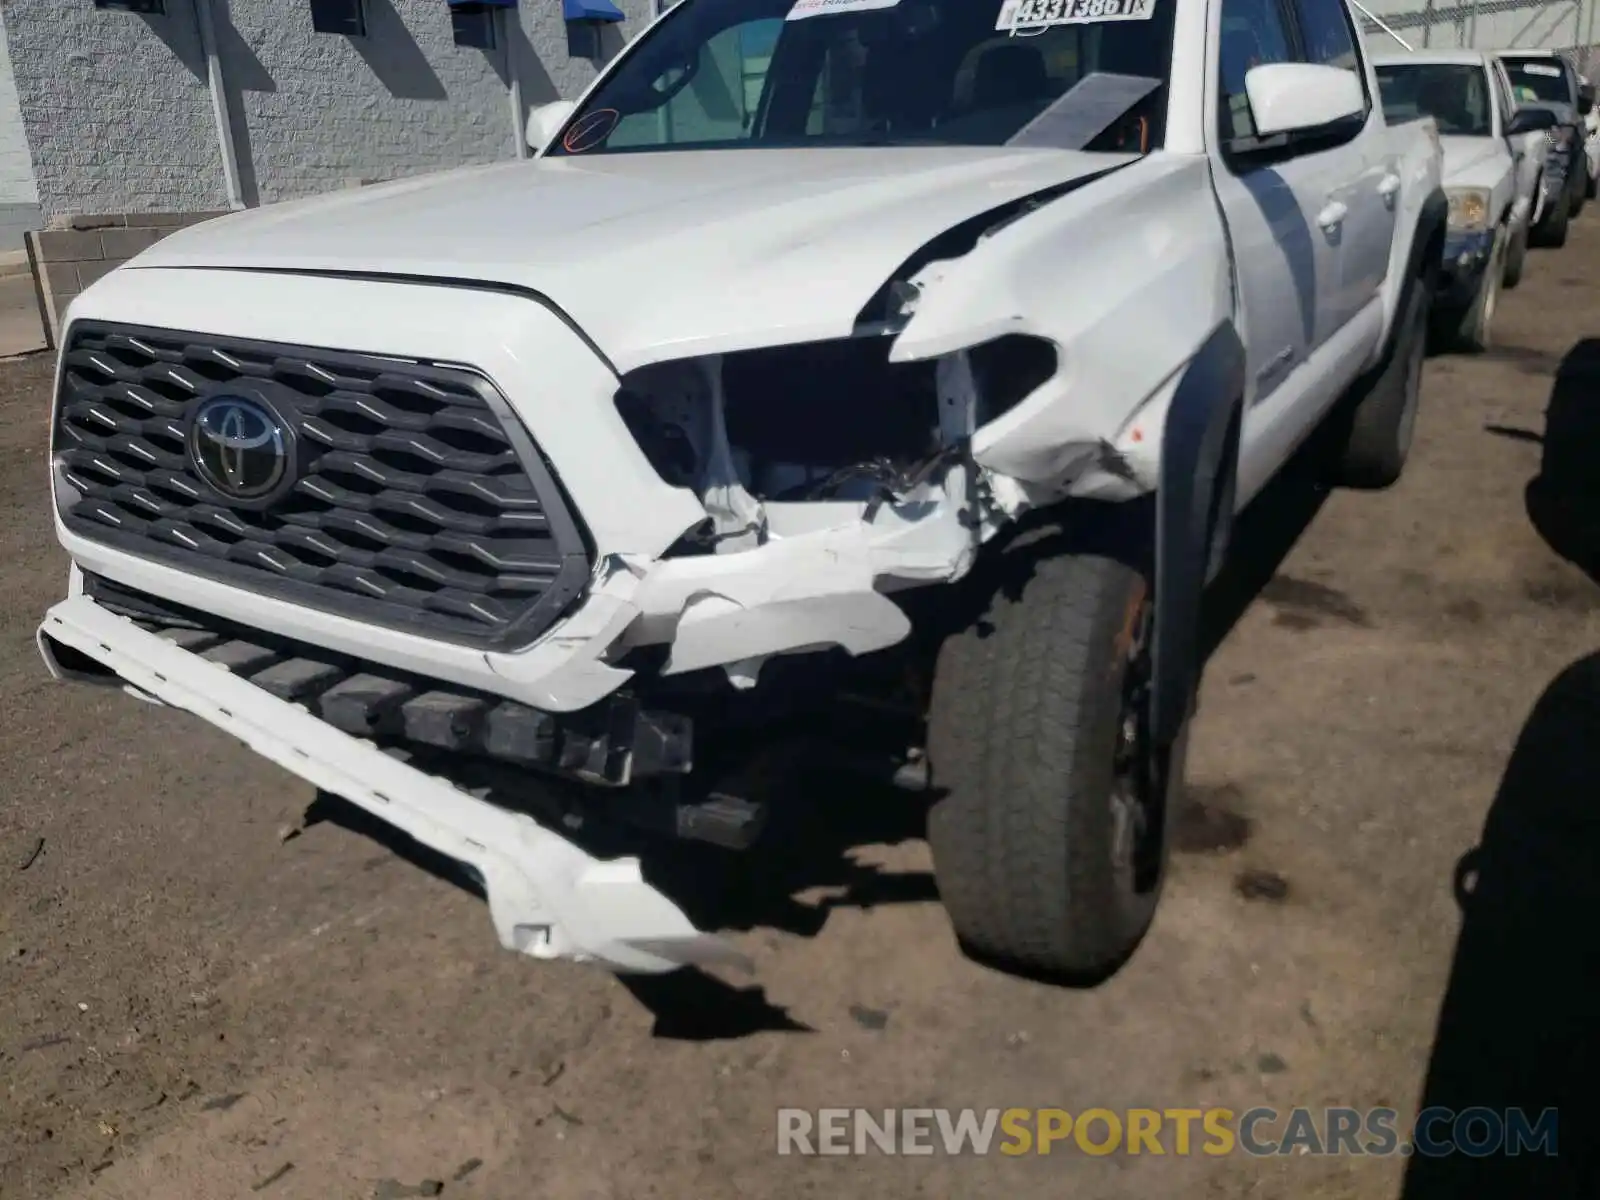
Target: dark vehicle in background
pixel 1493 163
pixel 1545 79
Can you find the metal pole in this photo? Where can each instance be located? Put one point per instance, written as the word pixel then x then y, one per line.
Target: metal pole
pixel 221 112
pixel 519 114
pixel 1368 14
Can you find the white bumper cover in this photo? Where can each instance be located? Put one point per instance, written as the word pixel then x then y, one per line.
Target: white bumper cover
pixel 548 898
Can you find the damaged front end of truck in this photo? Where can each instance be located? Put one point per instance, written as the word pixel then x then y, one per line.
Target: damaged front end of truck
pixel 755 542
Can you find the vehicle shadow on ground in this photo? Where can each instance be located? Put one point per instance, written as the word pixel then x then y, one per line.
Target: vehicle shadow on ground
pixel 1564 498
pixel 1267 531
pixel 1517 1028
pixel 815 845
pixel 725 890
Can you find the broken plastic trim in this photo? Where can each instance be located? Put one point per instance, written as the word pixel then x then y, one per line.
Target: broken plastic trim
pixel 548 898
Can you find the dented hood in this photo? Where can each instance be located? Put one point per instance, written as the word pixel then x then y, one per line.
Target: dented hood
pixel 656 255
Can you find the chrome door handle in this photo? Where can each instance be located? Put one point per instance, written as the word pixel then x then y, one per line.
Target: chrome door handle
pixel 1331 217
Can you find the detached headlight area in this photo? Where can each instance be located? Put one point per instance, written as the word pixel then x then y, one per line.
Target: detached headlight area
pixel 1469 209
pixel 1469 242
pixel 786 439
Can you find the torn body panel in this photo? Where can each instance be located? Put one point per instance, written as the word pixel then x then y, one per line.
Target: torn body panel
pixel 868 476
pixel 1160 285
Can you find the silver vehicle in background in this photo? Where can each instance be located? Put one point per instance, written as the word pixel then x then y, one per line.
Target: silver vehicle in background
pixel 1545 79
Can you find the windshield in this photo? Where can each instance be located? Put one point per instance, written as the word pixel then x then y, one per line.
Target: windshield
pixel 732 74
pixel 1538 80
pixel 1454 95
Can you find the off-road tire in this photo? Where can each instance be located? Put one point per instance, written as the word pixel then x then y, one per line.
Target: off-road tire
pixel 1027 714
pixel 1516 259
pixel 1383 418
pixel 1469 330
pixel 1551 232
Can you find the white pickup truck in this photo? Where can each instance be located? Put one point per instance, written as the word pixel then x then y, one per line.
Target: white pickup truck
pixel 890 369
pixel 1492 176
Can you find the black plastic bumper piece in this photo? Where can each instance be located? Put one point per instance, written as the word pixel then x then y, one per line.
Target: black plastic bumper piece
pixel 612 744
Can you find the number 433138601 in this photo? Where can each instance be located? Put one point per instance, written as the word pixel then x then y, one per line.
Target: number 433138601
pixel 1036 14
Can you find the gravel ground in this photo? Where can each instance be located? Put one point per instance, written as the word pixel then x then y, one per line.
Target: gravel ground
pixel 189 1005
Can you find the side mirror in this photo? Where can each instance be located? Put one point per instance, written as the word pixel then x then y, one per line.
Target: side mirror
pixel 1301 97
pixel 545 120
pixel 1531 120
pixel 1585 99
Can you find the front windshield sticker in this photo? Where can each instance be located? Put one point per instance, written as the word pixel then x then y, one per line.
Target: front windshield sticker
pixel 822 8
pixel 1540 69
pixel 1030 16
pixel 590 130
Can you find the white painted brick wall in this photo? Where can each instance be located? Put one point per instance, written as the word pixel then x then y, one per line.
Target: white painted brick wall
pixel 119 116
pixel 16 164
pixel 118 119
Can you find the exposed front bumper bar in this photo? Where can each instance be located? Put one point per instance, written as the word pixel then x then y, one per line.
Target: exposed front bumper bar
pixel 548 897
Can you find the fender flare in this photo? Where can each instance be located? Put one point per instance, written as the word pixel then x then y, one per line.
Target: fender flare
pixel 1208 398
pixel 1434 216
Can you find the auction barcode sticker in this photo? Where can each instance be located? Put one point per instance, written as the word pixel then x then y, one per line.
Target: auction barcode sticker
pixel 1040 14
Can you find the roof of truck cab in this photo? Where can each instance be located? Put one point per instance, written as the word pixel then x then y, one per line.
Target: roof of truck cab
pixel 1514 52
pixel 1463 58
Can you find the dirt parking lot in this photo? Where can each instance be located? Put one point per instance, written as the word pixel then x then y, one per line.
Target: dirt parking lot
pixel 193 1006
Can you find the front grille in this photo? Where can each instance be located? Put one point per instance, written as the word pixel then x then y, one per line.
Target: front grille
pixel 420 503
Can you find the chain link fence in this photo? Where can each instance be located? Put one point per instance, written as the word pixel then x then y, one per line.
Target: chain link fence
pixel 1564 25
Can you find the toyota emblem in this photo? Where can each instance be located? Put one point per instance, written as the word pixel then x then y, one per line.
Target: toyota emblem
pixel 242 448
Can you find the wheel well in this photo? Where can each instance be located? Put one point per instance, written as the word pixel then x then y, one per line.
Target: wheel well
pixel 1432 256
pixel 1194 468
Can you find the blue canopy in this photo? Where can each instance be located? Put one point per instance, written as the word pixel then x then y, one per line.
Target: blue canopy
pixel 591 10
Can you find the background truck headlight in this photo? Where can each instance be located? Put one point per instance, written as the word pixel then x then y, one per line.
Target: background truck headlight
pixel 1469 208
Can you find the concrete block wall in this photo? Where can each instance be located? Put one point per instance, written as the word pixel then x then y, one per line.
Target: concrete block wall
pixel 19 195
pixel 119 115
pixel 317 111
pixel 116 107
pixel 68 258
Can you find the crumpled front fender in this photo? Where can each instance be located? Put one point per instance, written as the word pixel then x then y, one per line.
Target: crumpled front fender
pixel 1128 276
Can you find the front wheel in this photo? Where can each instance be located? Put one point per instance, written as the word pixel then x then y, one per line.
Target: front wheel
pixel 1049 835
pixel 1384 419
pixel 1551 232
